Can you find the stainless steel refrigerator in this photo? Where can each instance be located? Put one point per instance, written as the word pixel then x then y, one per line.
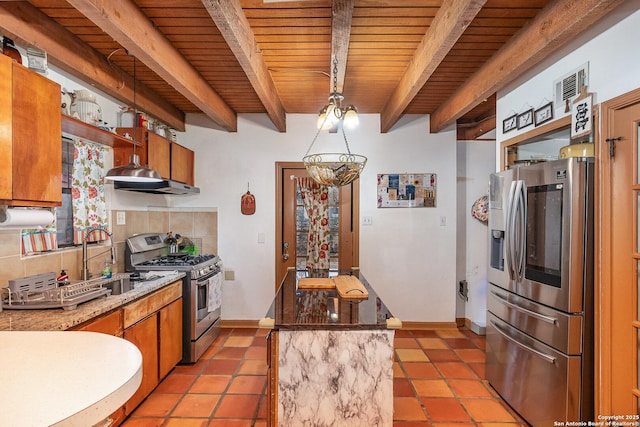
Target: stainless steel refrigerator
pixel 539 355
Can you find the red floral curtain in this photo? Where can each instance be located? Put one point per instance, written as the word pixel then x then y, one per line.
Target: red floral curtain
pixel 316 202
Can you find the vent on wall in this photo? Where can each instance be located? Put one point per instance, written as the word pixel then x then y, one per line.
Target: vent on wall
pixel 568 86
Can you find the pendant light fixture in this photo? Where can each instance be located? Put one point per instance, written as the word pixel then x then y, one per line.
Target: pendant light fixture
pixel 133 172
pixel 335 169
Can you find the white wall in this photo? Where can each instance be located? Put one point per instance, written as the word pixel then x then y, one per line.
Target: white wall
pixel 406 255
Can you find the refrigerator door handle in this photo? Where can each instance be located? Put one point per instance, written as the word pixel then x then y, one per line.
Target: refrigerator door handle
pixel 509 232
pixel 544 318
pixel 522 223
pixel 540 354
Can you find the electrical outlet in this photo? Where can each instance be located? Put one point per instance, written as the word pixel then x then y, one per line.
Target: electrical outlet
pixel 443 221
pixel 367 220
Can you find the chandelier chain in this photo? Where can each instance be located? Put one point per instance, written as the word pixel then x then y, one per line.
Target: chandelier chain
pixel 335 75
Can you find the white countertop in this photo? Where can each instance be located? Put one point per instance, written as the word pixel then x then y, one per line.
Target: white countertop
pixel 65 378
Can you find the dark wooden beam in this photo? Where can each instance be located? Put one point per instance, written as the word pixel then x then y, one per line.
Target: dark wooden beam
pixel 447 27
pixel 66 51
pixel 555 25
pixel 234 27
pixel 472 131
pixel 130 27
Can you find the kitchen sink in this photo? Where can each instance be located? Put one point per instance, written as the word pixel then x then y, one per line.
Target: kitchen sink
pixel 118 283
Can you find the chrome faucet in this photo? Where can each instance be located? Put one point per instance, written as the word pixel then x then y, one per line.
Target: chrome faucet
pixel 85 258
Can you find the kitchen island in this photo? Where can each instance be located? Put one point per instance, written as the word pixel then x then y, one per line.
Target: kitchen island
pixel 330 354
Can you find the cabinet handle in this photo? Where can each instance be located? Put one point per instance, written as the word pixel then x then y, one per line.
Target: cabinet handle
pixel 285 251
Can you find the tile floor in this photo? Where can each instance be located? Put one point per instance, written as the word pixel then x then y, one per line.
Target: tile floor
pixel 438 381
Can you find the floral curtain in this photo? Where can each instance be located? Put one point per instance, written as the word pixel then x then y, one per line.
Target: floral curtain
pixel 89 207
pixel 316 202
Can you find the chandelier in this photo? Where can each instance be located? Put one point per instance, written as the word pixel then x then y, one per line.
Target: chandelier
pixel 335 169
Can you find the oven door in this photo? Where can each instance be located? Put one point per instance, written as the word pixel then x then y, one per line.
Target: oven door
pixel 206 302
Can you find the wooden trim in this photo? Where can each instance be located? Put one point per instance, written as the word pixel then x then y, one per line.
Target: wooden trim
pixel 239 324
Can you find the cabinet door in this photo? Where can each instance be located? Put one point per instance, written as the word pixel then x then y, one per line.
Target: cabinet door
pixel 6 136
pixel 110 324
pixel 144 335
pixel 170 337
pixel 37 136
pixel 182 161
pixel 159 154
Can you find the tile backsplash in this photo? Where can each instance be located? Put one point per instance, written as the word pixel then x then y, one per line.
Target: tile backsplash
pixel 200 226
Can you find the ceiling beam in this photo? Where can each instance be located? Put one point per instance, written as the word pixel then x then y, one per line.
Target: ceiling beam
pixel 473 131
pixel 342 14
pixel 555 25
pixel 129 26
pixel 452 19
pixel 234 27
pixel 66 51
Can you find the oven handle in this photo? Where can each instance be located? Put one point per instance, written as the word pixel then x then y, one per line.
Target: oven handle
pixel 200 280
pixel 540 354
pixel 531 313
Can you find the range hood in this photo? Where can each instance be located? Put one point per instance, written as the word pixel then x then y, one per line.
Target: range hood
pixel 162 187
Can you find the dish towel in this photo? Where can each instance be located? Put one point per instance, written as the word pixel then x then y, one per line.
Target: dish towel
pixel 214 301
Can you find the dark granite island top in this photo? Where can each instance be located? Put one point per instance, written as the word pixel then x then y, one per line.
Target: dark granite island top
pixel 305 309
pixel 329 359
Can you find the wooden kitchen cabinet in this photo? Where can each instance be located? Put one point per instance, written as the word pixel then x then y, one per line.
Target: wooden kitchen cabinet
pixel 144 335
pixel 30 140
pixel 182 164
pixel 110 324
pixel 170 332
pixel 153 149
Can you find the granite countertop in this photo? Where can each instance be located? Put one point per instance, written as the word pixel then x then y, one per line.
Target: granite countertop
pixel 295 308
pixel 42 386
pixel 57 319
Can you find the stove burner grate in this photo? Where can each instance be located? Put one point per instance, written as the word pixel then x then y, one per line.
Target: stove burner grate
pixel 168 261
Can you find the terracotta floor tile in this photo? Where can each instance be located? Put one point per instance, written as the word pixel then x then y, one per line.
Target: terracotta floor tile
pixel 522 424
pixel 420 370
pixel 196 405
pixel 186 422
pixel 455 370
pixel 446 424
pixel 450 333
pixel 402 388
pixel 444 409
pixel 403 333
pixel 244 332
pixel 230 423
pixel 230 353
pixel 253 367
pixel 479 369
pixel 212 384
pixel 260 424
pixel 242 341
pixel 248 384
pixel 158 405
pixel 405 343
pixel 194 369
pixel 262 408
pixel 471 355
pixel 424 334
pixel 222 367
pixel 238 406
pixel 411 355
pixel 142 422
pixel 460 343
pixel 432 388
pixel 436 355
pixel 432 343
pixel 407 409
pixel 255 352
pixel 176 383
pixel 259 341
pixel 469 388
pixel 411 424
pixel 487 410
pixel 397 370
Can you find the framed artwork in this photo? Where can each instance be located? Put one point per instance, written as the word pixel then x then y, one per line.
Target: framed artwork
pixel 509 124
pixel 409 190
pixel 543 114
pixel 525 119
pixel 581 116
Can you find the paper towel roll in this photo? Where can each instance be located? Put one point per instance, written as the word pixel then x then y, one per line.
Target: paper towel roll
pixel 25 218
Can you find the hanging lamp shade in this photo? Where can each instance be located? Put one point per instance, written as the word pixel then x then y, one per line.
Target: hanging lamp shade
pixel 133 172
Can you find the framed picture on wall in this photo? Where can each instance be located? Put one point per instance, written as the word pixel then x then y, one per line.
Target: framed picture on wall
pixel 509 124
pixel 525 119
pixel 543 114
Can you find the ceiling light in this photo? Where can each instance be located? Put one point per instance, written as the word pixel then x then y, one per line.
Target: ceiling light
pixel 335 169
pixel 133 172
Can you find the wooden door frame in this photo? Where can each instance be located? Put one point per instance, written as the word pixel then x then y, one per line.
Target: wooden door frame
pixel 354 243
pixel 604 215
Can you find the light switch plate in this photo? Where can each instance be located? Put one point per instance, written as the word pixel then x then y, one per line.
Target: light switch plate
pixel 121 218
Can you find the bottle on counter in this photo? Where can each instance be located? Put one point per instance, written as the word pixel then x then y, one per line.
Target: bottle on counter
pixel 106 270
pixel 63 278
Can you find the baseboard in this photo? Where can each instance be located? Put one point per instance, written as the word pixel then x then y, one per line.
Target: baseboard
pixel 474 327
pixel 239 324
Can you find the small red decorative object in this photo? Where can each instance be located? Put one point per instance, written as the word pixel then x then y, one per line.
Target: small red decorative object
pixel 248 203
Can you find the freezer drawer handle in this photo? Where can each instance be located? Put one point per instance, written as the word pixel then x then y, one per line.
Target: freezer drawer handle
pixel 540 354
pixel 531 313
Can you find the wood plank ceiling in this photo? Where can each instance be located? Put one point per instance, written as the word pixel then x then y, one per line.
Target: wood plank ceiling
pixel 446 58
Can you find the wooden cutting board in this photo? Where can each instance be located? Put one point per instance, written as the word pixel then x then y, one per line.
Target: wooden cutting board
pixel 350 287
pixel 316 283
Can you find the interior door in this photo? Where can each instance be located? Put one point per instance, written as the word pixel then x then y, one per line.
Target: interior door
pixel 617 325
pixel 291 222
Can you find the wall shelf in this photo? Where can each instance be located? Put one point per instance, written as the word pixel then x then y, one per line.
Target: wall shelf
pixel 81 129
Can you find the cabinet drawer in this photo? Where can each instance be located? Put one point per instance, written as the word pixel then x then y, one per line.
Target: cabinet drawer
pixel 110 324
pixel 140 309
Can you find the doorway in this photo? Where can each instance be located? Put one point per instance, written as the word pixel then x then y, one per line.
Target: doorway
pixel 616 294
pixel 292 222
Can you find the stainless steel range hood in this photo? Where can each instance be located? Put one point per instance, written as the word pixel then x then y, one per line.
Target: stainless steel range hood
pixel 162 187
